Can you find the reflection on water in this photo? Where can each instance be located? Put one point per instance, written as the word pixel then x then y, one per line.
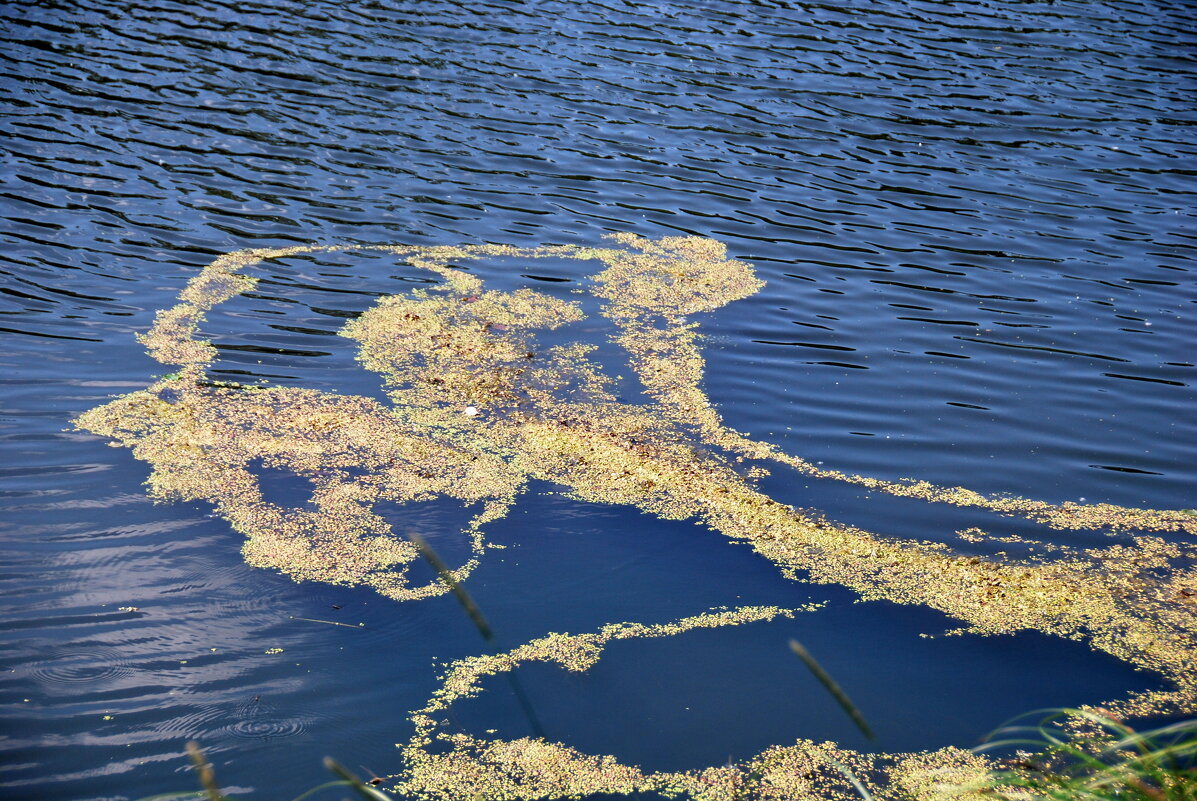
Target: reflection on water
pixel 974 222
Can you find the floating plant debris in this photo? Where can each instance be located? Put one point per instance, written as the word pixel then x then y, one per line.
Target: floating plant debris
pixel 479 408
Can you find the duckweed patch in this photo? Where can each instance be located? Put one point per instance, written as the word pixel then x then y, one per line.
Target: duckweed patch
pixel 478 407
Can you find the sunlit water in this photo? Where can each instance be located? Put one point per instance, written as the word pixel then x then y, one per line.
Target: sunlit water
pixel 975 222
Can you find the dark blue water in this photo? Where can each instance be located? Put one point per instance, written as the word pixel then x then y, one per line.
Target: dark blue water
pixel 976 222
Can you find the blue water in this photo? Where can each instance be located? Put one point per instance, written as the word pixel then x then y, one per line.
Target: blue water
pixel 976 225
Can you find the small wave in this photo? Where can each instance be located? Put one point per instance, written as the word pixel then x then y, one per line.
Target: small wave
pixel 82 665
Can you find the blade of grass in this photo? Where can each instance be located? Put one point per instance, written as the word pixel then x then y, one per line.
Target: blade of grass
pixel 318 788
pixel 329 622
pixel 480 623
pixel 450 581
pixel 203 768
pixel 850 776
pixel 360 787
pixel 1111 763
pixel 836 691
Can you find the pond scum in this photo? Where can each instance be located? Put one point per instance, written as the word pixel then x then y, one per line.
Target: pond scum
pixel 479 408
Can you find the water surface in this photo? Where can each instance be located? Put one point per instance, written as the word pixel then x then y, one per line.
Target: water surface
pixel 976 225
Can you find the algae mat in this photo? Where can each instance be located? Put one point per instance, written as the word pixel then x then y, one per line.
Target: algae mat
pixel 479 407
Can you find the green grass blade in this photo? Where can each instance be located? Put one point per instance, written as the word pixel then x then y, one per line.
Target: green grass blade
pixel 836 691
pixel 475 614
pixel 329 622
pixel 318 788
pixel 850 776
pixel 360 787
pixel 450 581
pixel 1112 763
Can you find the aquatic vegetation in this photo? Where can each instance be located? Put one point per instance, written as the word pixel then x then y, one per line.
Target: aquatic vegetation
pixel 479 407
pixel 1086 755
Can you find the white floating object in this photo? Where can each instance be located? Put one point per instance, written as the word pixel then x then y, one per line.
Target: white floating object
pixel 471 411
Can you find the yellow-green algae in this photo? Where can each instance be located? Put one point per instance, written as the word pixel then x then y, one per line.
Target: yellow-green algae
pixel 479 408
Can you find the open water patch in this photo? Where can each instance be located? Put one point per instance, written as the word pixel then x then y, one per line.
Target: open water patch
pixel 710 697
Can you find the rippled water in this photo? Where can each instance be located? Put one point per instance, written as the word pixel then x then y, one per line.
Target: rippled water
pixel 975 221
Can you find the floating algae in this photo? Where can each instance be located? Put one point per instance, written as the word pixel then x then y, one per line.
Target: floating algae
pixel 479 408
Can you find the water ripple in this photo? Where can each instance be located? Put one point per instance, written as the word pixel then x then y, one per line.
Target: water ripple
pixel 976 221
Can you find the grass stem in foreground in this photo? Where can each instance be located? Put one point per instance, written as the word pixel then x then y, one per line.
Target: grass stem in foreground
pixel 360 787
pixel 1112 762
pixel 479 620
pixel 329 622
pixel 836 692
pixel 207 776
